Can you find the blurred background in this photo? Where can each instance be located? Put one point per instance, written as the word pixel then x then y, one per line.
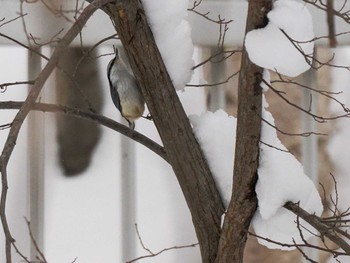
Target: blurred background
pixel 84 187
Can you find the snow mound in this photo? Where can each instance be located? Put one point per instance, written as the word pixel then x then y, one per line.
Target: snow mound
pixel 173 37
pixel 269 48
pixel 216 133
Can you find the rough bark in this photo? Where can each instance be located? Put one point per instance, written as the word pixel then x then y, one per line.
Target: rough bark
pixel 183 151
pixel 244 202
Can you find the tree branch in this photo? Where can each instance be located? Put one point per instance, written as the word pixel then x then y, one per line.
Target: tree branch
pixel 23 112
pixel 183 151
pixel 331 24
pixel 88 115
pixel 316 222
pixel 243 201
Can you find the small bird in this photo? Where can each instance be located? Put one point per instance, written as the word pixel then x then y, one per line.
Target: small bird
pixel 125 92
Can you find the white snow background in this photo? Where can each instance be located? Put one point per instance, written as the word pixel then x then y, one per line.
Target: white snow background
pixel 281 176
pixel 216 133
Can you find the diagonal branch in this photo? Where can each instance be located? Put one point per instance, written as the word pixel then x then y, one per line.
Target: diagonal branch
pixel 23 112
pixel 91 116
pixel 316 222
pixel 183 151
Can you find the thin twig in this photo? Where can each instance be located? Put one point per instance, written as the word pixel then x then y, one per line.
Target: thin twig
pixel 223 54
pixel 154 254
pixel 316 222
pixel 214 84
pixel 4 86
pixel 36 246
pixel 320 119
pixel 294 245
pixel 274 147
pixel 13 19
pixel 90 50
pixel 27 106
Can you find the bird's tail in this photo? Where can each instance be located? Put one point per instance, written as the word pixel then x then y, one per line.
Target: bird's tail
pixel 131 124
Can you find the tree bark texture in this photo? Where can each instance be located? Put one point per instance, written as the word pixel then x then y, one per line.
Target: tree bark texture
pixel 182 149
pixel 243 201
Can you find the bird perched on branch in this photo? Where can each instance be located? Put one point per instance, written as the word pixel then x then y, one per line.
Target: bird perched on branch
pixel 125 92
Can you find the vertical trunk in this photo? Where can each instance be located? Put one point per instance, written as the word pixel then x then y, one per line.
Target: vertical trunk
pixel 244 202
pixel 183 151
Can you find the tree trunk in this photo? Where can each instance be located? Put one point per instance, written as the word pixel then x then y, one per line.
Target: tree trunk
pixel 183 151
pixel 243 201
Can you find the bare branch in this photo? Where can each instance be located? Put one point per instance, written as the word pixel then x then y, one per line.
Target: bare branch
pixel 274 147
pixel 3 86
pixel 52 40
pixel 154 254
pixel 23 45
pixel 304 134
pixel 220 53
pixel 222 22
pixel 340 13
pixel 316 222
pixel 5 126
pixel 219 21
pixel 327 94
pixel 13 19
pixel 295 245
pixel 214 84
pixel 114 36
pixel 318 118
pixel 26 107
pixel 331 23
pixel 32 238
pixel 88 115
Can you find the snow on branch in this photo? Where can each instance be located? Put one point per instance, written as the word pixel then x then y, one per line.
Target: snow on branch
pixel 172 32
pixel 269 47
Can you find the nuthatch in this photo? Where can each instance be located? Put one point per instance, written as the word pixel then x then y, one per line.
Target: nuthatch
pixel 125 92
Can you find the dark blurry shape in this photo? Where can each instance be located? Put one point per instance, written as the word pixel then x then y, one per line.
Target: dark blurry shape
pixel 77 138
